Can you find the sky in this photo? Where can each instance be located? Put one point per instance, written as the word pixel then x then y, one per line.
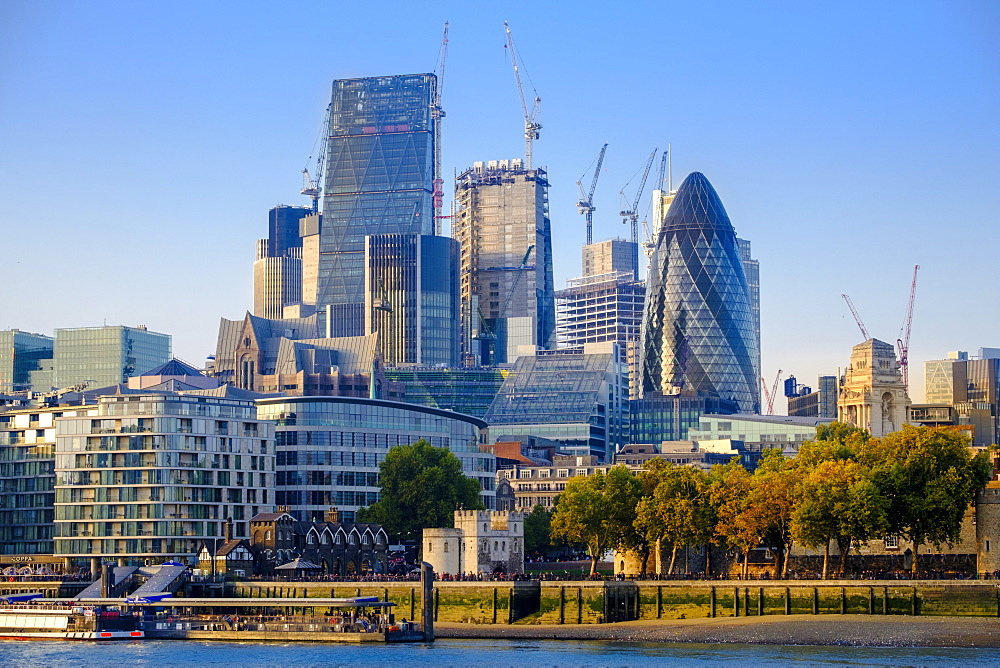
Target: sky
pixel 142 145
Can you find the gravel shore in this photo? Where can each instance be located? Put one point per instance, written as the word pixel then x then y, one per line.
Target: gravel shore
pixel 849 630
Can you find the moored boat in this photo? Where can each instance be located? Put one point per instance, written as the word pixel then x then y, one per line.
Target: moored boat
pixel 26 618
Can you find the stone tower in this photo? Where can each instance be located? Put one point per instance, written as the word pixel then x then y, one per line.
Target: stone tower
pixel 872 393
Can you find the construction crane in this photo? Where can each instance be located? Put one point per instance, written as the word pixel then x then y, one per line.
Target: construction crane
pixel 857 318
pixel 903 342
pixel 437 113
pixel 586 203
pixel 532 117
pixel 770 394
pixel 312 184
pixel 632 214
pixel 490 335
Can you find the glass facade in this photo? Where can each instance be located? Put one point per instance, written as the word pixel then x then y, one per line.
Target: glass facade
pixel 655 419
pixel 378 180
pixel 411 289
pixel 574 396
pixel 107 356
pixel 20 354
pixel 756 433
pixel 972 386
pixel 698 322
pixel 148 477
pixel 466 391
pixel 27 478
pixel 329 449
pixel 283 228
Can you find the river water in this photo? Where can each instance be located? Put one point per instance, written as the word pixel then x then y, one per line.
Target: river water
pixel 454 652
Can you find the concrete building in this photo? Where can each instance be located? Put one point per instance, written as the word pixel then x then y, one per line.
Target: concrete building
pixel 872 393
pixel 277 281
pixel 577 397
pixel 598 308
pixel 608 257
pixel 148 476
pixel 379 179
pixel 699 324
pixel 536 485
pixel 507 290
pixel 481 542
pixel 971 386
pixel 329 448
pixel 22 353
pixel 411 298
pixel 804 402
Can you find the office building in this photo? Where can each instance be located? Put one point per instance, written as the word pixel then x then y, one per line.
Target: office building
pixel 379 179
pixel 27 478
pixel 751 435
pixel 805 402
pixel 872 394
pixel 467 391
pixel 148 476
pixel 106 356
pixel 656 418
pixel 21 353
pixel 329 448
pixel 411 298
pixel 971 387
pixel 598 308
pixel 609 256
pixel 507 290
pixel 277 281
pixel 576 397
pixel 699 328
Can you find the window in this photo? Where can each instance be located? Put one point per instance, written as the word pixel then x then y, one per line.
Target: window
pixel 562 473
pixel 446 546
pixel 892 542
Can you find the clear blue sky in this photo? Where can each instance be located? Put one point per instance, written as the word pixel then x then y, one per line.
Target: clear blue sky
pixel 141 145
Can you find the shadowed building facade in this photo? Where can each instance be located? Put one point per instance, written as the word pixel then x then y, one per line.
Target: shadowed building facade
pixel 699 328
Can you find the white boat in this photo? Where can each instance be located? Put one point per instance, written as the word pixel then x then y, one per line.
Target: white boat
pixel 36 620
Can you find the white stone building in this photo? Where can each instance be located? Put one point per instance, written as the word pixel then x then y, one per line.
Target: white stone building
pixel 872 393
pixel 482 541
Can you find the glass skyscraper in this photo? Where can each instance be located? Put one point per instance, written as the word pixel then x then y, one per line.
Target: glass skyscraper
pixel 379 179
pixel 20 354
pixel 107 356
pixel 698 321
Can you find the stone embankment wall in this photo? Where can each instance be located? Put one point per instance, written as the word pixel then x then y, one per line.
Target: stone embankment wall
pixel 599 602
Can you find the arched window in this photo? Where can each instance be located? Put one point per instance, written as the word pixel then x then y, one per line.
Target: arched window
pixel 430 547
pixel 484 526
pixel 311 538
pixel 325 539
pixel 267 535
pixel 446 546
pixel 503 545
pixel 496 546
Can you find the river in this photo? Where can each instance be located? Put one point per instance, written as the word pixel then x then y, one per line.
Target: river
pixel 461 652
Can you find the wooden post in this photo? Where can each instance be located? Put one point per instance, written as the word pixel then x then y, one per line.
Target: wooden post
pixel 885 600
pixel 510 607
pixel 913 603
pixel 562 605
pixel 871 600
pixel 579 605
pixel 659 601
pixel 426 599
pixel 736 601
pixel 713 601
pixel 815 600
pixel 843 600
pixel 413 600
pixel 495 607
pixel 760 602
pixel 437 603
pixel 788 600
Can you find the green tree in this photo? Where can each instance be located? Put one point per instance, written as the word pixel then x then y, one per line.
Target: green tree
pixel 421 487
pixel 598 511
pixel 929 476
pixel 537 531
pixel 678 510
pixel 839 501
pixel 728 490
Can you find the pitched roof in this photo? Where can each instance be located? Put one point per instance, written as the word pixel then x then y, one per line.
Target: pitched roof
pixel 174 367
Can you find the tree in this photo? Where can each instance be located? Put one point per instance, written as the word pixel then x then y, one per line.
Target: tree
pixel 929 476
pixel 598 511
pixel 728 493
pixel 537 530
pixel 421 487
pixel 839 501
pixel 678 511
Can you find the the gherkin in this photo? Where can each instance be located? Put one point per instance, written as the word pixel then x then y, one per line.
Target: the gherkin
pixel 698 331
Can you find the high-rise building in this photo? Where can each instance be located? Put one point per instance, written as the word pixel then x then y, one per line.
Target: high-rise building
pixel 277 271
pixel 609 256
pixel 577 397
pixel 468 390
pixel 971 387
pixel 751 269
pixel 20 354
pixel 379 179
pixel 507 288
pixel 411 298
pixel 804 402
pixel 699 330
pixel 105 356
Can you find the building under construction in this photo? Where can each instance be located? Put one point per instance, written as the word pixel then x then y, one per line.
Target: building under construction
pixel 507 290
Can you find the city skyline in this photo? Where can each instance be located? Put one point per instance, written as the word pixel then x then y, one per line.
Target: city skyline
pixel 843 141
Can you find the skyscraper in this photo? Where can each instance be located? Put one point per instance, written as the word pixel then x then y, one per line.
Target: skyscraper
pixel 277 270
pixel 507 288
pixel 698 321
pixel 379 179
pixel 107 356
pixel 20 354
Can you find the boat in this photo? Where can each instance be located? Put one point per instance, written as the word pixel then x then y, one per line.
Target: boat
pixel 25 617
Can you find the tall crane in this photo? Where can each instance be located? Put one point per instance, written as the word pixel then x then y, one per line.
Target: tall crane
pixel 903 342
pixel 770 394
pixel 532 117
pixel 312 184
pixel 857 318
pixel 437 113
pixel 586 203
pixel 632 214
